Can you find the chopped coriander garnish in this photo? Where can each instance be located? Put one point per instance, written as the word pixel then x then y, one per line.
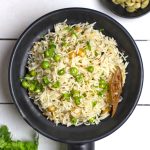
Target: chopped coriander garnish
pixel 94 103
pixel 88 45
pixel 75 93
pixel 71 30
pixel 102 92
pixel 56 84
pixel 91 120
pixel 77 100
pixel 73 120
pixel 66 96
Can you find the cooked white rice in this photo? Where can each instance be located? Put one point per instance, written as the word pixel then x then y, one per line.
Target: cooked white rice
pixel 72 46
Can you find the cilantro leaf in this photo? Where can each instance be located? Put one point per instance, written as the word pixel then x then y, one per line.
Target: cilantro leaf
pixel 6 143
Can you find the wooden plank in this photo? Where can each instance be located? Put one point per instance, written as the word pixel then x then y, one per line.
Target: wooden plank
pixel 145 53
pixel 5 52
pixel 20 129
pixel 6 49
pixel 134 134
pixel 16 15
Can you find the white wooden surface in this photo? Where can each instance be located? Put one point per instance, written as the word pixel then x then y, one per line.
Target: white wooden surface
pixel 15 16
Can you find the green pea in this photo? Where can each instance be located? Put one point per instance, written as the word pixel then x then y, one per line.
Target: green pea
pixel 61 72
pixel 75 93
pixel 45 80
pixel 33 73
pixel 49 53
pixel 94 103
pixel 77 100
pixel 35 82
pixel 66 96
pixel 45 64
pixel 73 120
pixel 31 87
pixel 103 84
pixel 56 84
pixel 52 46
pixel 25 84
pixel 57 58
pixel 46 53
pixel 90 69
pixel 102 81
pixel 38 88
pixel 79 77
pixel 73 71
pixel 91 120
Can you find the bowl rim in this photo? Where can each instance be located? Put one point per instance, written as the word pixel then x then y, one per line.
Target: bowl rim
pixel 12 59
pixel 124 16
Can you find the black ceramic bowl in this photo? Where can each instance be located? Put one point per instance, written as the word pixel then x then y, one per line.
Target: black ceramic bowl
pixel 120 11
pixel 81 134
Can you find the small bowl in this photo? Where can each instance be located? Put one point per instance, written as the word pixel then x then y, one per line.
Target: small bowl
pixel 120 11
